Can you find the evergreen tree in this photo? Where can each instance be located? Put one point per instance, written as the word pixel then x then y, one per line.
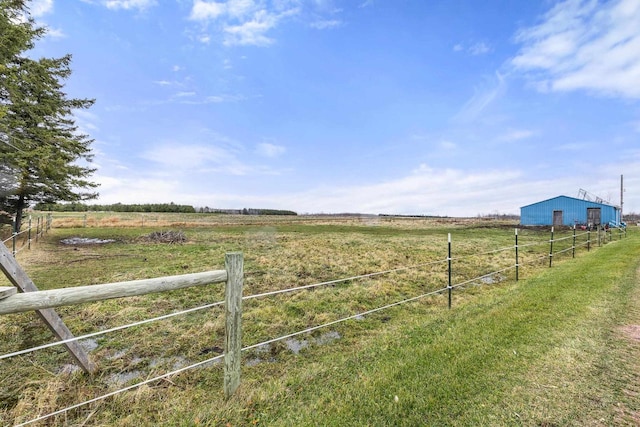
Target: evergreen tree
pixel 43 157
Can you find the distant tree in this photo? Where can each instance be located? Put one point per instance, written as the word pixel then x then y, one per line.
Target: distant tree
pixel 41 150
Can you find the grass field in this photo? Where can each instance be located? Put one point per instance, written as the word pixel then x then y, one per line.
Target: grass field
pixel 551 349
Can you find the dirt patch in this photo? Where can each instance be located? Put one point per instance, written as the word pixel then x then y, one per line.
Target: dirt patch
pixel 172 237
pixel 631 332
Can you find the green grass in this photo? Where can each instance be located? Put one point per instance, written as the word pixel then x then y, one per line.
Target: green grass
pixel 542 351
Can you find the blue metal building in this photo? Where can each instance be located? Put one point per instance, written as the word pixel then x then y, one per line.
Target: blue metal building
pixel 563 210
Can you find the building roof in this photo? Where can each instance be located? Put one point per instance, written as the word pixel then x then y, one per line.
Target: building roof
pixel 572 198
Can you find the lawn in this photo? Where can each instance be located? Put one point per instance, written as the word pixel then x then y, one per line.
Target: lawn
pixel 549 349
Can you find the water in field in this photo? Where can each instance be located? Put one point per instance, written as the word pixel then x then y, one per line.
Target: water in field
pixel 85 241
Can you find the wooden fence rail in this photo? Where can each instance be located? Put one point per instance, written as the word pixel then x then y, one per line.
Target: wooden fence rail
pixel 83 294
pixel 33 299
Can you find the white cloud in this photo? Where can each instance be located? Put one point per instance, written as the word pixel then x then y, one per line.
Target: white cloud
pixel 215 99
pixel 479 48
pixel 270 150
pixel 241 22
pixel 129 4
pixel 55 33
pixel 448 145
pixel 184 94
pixel 38 8
pixel 326 24
pixel 240 8
pixel 203 10
pixel 189 157
pixel 576 147
pixel 251 32
pixel 516 135
pixel 482 99
pixel 584 45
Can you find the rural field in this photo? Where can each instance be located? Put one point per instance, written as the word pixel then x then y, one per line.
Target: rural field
pixel 560 346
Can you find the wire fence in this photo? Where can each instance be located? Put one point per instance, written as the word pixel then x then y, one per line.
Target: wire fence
pixel 23 238
pixel 520 254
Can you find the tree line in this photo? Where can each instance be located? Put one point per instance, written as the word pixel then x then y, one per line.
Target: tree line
pixel 116 207
pixel 153 207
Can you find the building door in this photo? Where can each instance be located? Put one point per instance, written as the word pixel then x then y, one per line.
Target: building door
pixel 557 218
pixel 593 216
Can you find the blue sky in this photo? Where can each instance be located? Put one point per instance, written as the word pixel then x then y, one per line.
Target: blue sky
pixel 375 106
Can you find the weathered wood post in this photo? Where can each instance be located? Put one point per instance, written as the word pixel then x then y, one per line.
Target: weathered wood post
pixel 29 234
pixel 17 276
pixel 233 263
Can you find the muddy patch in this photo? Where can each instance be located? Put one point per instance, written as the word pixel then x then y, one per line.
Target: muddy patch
pixel 266 352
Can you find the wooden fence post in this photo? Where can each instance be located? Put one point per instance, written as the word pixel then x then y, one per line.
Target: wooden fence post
pixel 233 312
pixel 17 276
pixel 29 234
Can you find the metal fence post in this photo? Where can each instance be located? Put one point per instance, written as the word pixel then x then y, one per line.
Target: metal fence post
pixel 573 248
pixel 517 265
pixel 449 287
pixel 588 240
pixel 233 312
pixel 29 234
pixel 551 249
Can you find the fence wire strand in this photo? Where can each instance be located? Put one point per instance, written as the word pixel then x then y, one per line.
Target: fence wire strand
pixel 113 393
pixel 475 279
pixel 305 331
pixel 332 282
pixel 106 331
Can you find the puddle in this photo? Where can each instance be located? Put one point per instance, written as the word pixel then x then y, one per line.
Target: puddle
pixel 295 346
pixel 117 355
pixel 174 362
pixel 328 338
pixel 85 241
pixel 69 369
pixel 124 377
pixel 490 280
pixel 89 345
